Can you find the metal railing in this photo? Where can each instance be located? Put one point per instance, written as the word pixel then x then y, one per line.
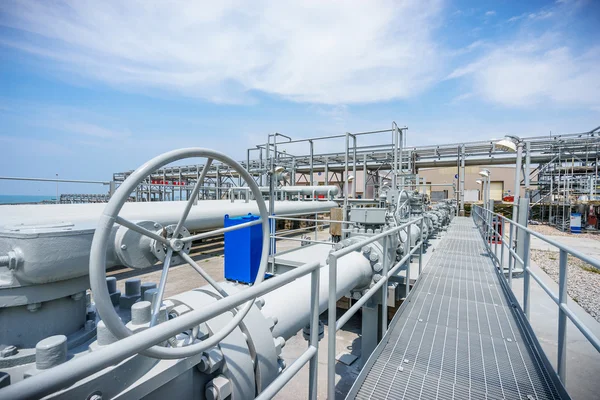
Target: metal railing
pixel 333 324
pixel 491 226
pixel 78 368
pixel 83 366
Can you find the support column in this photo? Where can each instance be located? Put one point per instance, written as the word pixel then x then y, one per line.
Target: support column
pixel 261 166
pixel 527 167
pixel 517 192
pixel 218 188
pixel 522 217
pixel 354 167
pixel 311 180
pixel 369 329
pixel 293 173
pixel 365 176
pixel 345 187
pixel 461 175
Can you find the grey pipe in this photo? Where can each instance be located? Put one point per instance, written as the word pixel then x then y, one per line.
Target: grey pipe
pixel 291 303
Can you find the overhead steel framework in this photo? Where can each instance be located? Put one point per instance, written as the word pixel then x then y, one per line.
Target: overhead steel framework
pixel 391 159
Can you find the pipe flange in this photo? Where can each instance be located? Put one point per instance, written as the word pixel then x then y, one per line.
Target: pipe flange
pixel 160 250
pixel 135 250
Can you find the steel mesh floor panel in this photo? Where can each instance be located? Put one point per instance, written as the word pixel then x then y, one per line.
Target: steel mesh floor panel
pixel 457 338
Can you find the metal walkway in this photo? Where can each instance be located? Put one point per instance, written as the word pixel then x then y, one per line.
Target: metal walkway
pixel 457 336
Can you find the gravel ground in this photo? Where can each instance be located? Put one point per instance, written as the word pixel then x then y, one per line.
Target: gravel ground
pixel 583 284
pixel 551 231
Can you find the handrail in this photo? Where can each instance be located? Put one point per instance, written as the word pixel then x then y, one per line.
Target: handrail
pixel 334 324
pixel 484 221
pixel 78 368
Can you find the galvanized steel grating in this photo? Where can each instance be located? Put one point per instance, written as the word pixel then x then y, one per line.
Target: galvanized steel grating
pixel 458 337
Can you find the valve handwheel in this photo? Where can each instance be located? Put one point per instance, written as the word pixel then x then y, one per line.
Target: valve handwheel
pixel 167 243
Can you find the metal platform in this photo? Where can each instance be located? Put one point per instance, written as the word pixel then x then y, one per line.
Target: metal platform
pixel 458 336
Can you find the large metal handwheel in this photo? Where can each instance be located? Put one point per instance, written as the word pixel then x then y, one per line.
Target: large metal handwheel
pixel 174 243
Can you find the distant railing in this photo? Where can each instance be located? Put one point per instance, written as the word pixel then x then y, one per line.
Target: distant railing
pixel 491 225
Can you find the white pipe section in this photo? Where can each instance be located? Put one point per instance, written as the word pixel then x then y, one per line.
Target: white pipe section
pixel 306 190
pixel 207 214
pixel 290 304
pixel 55 240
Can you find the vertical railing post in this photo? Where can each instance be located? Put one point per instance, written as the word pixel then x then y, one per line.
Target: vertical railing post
pixel 408 239
pixel 487 226
pixel 510 256
pixel 491 227
pixel 331 331
pixel 384 291
pixel 496 236
pixel 421 247
pixel 502 223
pixel 316 226
pixel 562 317
pixel 314 334
pixel 526 278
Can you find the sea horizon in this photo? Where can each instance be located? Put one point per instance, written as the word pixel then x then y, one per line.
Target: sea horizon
pixel 23 198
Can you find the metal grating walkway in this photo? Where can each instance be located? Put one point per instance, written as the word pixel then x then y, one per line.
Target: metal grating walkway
pixel 457 337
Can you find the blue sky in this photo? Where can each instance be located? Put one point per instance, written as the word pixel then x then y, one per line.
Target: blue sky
pixel 90 88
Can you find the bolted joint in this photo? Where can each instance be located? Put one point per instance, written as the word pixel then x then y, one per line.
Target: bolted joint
pixel 279 344
pixel 12 259
pixel 377 267
pixel 218 389
pixel 271 322
pixel 260 302
pixel 211 361
pixel 306 331
pixel 374 257
pixel 281 363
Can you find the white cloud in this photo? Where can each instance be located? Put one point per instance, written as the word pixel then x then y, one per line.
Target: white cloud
pixel 88 129
pixel 526 75
pixel 490 13
pixel 542 64
pixel 460 98
pixel 304 50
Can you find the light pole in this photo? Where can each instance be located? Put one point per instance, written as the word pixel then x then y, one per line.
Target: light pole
pixel 514 144
pixel 485 174
pixel 480 183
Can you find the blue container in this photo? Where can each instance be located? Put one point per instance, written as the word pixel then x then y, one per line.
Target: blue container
pixel 242 249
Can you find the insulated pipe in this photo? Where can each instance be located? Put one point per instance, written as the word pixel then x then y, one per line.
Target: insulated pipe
pixel 306 190
pixel 291 304
pixel 207 214
pixel 46 233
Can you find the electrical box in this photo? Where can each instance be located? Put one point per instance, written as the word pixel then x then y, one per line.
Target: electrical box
pixel 368 216
pixel 575 223
pixel 243 248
